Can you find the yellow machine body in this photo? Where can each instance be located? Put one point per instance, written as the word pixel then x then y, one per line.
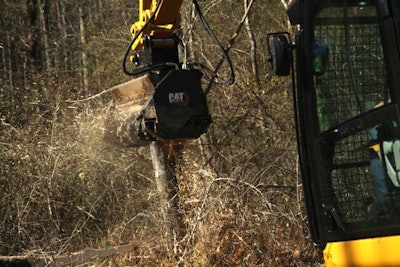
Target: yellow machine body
pixel 379 251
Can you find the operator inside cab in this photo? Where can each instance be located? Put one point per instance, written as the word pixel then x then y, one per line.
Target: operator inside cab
pixel 358 140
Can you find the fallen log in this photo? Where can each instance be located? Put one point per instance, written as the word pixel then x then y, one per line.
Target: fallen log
pixel 15 261
pixel 73 259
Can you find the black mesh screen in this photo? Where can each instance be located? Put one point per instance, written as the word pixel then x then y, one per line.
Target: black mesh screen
pixel 350 82
pixel 351 178
pixel 354 80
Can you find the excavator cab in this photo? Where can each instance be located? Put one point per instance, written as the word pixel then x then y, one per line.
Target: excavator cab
pixel 347 106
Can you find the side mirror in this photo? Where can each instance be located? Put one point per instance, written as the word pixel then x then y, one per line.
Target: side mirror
pixel 280 55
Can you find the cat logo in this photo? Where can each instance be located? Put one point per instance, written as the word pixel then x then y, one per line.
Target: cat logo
pixel 180 98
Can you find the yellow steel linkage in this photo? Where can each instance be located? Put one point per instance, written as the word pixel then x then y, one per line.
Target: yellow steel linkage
pixel 166 19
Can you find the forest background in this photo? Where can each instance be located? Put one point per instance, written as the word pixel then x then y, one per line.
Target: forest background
pixel 65 187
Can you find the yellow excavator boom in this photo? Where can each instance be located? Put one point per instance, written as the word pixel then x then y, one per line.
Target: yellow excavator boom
pixel 166 19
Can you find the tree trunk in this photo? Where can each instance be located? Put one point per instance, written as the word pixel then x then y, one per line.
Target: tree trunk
pixel 85 64
pixel 130 98
pixel 190 26
pixel 11 92
pixel 285 4
pixel 253 46
pixel 43 33
pixel 167 187
pixel 4 63
pixel 10 74
pixel 62 58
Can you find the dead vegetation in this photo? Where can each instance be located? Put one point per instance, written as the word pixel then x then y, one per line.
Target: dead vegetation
pixel 66 188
